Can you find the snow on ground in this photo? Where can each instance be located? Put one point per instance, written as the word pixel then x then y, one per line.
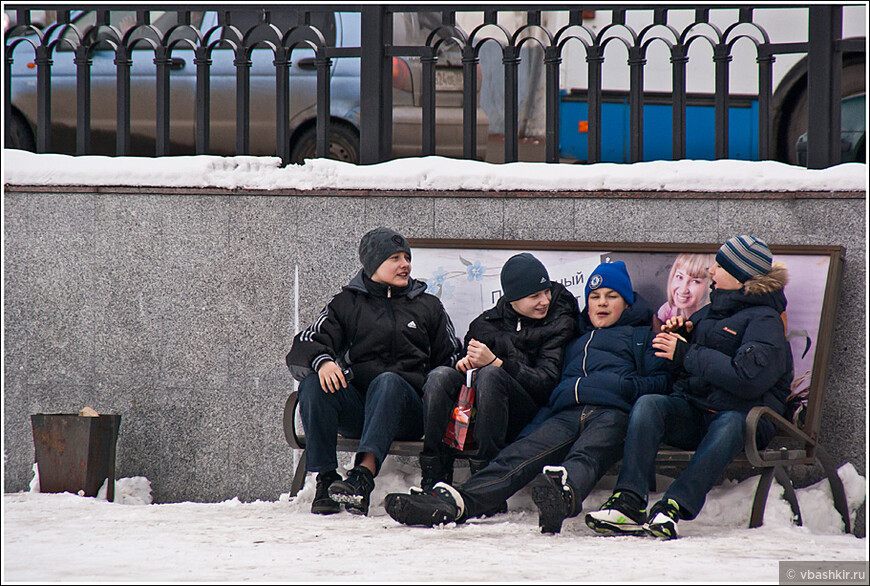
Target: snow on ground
pixel 64 537
pixel 426 173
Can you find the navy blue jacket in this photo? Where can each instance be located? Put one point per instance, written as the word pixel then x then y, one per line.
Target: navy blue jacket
pixel 601 368
pixel 738 356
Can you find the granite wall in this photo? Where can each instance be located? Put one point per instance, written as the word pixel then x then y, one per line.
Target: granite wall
pixel 175 308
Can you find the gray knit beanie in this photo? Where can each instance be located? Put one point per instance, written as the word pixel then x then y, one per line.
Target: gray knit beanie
pixel 744 257
pixel 378 245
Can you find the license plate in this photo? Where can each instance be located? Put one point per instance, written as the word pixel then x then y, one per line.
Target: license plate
pixel 448 79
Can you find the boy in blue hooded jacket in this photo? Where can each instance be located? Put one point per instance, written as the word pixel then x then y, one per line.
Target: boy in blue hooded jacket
pixel 579 435
pixel 730 356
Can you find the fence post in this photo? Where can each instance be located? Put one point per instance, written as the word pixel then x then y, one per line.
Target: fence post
pixel 823 86
pixel 376 94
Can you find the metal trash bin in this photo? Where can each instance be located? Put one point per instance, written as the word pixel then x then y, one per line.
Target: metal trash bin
pixel 75 453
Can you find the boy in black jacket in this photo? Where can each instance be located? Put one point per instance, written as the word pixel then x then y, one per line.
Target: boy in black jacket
pixel 518 347
pixel 578 436
pixel 730 356
pixel 362 365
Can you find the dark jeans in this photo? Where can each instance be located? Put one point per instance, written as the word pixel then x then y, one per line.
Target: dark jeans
pixel 717 439
pixel 391 409
pixel 503 409
pixel 587 440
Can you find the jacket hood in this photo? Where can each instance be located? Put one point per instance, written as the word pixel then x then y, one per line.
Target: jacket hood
pixel 358 283
pixel 764 290
pixel 638 314
pixel 775 280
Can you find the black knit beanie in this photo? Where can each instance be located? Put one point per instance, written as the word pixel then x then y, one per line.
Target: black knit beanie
pixel 522 275
pixel 378 245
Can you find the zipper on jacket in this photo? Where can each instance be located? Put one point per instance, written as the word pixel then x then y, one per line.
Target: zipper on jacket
pixel 389 305
pixel 389 292
pixel 585 374
pixel 519 324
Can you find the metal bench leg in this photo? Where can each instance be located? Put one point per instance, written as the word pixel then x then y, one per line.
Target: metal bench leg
pixel 299 476
pixel 783 478
pixel 837 489
pixel 757 517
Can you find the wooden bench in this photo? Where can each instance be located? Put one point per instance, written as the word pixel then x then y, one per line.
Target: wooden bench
pixel 793 446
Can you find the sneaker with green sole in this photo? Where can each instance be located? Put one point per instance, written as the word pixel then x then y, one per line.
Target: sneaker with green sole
pixel 622 514
pixel 662 521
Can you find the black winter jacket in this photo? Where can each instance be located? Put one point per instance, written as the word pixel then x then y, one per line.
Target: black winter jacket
pixel 603 367
pixel 372 328
pixel 531 349
pixel 738 356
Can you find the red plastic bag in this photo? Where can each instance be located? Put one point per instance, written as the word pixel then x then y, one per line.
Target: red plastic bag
pixel 459 429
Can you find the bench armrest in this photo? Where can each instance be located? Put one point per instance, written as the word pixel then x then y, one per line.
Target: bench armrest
pixel 784 427
pixel 292 435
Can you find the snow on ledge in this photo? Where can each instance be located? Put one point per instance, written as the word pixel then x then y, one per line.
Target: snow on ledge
pixel 424 173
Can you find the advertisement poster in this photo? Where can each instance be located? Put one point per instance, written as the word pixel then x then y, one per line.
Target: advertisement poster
pixel 467 282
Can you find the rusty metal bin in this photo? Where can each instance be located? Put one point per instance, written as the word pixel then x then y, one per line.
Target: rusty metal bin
pixel 75 453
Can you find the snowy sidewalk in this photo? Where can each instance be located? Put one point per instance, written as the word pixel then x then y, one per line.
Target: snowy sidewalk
pixel 65 537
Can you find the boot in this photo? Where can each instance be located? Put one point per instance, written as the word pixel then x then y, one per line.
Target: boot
pixel 435 469
pixel 354 491
pixel 323 505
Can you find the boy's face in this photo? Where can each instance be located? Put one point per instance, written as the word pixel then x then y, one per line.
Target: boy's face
pixel 605 306
pixel 395 271
pixel 535 305
pixel 722 279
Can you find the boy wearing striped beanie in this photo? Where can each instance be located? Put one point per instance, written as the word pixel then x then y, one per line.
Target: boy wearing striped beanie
pixel 728 357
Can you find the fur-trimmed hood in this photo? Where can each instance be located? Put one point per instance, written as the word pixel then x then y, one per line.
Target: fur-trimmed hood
pixel 775 280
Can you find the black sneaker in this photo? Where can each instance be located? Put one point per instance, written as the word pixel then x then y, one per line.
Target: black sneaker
pixel 354 491
pixel 662 521
pixel 622 514
pixel 323 505
pixel 554 498
pixel 443 505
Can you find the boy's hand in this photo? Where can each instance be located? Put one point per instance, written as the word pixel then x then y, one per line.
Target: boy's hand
pixel 479 354
pixel 671 346
pixel 464 364
pixel 676 323
pixel 331 377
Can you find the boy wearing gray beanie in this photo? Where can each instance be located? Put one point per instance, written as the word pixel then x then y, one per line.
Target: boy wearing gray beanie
pixel 361 367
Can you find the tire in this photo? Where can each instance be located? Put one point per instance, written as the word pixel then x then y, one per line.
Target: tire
pixel 852 82
pixel 343 144
pixel 21 136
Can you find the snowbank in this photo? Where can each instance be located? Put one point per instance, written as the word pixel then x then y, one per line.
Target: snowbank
pixel 425 173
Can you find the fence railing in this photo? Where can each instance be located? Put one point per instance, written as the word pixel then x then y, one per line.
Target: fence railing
pixel 301 29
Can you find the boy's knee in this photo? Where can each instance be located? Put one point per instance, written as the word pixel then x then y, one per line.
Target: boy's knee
pixel 388 385
pixel 439 378
pixel 649 407
pixel 490 377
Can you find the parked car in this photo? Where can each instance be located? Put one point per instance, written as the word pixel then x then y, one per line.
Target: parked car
pixel 342 29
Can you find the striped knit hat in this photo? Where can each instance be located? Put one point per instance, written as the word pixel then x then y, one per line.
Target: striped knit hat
pixel 744 257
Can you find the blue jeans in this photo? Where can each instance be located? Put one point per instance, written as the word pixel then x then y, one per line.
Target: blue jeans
pixel 587 440
pixel 504 408
pixel 716 438
pixel 391 409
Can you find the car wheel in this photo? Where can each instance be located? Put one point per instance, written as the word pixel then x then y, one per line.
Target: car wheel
pixel 20 134
pixel 852 83
pixel 343 144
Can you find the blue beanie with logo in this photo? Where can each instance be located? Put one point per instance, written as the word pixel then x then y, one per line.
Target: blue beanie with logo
pixel 612 275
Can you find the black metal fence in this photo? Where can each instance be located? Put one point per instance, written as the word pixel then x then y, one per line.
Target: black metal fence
pixel 824 48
